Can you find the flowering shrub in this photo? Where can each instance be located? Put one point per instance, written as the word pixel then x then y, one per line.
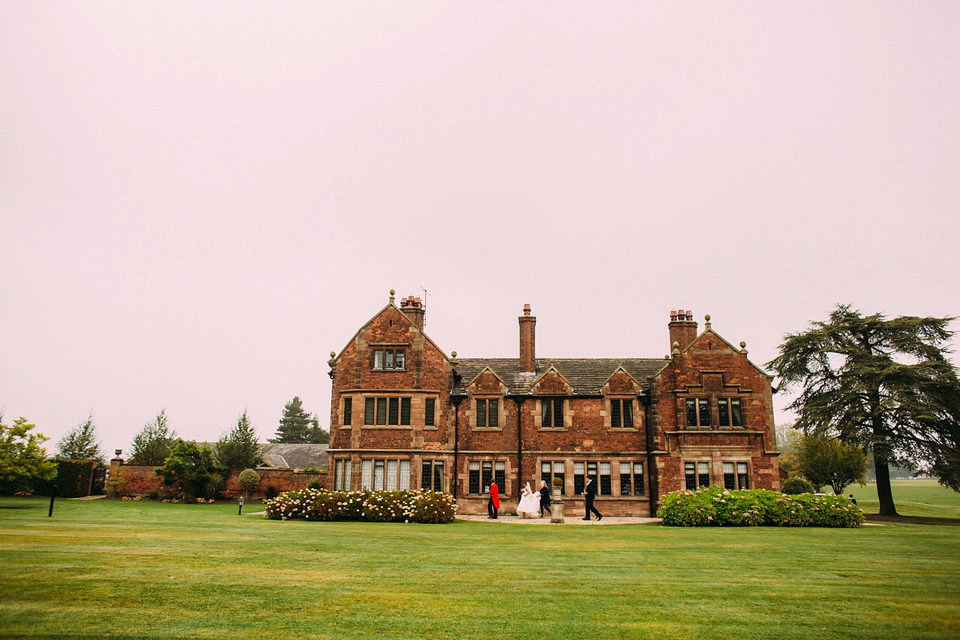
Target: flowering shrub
pixel 364 505
pixel 713 506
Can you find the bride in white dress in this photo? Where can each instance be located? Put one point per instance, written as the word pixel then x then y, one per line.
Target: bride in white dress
pixel 529 506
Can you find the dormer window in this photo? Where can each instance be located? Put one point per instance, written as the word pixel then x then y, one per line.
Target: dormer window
pixel 621 413
pixel 551 410
pixel 388 359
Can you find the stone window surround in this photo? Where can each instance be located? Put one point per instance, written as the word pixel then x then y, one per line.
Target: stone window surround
pixel 417 409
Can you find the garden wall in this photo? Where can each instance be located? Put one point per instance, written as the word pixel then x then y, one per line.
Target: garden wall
pixel 142 480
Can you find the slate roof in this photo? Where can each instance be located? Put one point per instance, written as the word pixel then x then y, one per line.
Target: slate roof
pixel 294 456
pixel 586 375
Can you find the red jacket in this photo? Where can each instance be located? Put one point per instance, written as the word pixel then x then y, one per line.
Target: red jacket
pixel 495 495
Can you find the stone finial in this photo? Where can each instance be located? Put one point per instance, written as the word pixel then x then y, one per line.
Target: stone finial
pixel 676 347
pixel 393 292
pixel 706 321
pixel 743 347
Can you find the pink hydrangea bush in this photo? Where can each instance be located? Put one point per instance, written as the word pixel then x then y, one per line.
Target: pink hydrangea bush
pixel 714 506
pixel 364 505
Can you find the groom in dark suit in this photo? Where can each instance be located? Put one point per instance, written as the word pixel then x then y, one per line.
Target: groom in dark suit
pixel 590 492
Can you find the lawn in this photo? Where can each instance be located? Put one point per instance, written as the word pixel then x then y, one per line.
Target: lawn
pixel 149 570
pixel 913 497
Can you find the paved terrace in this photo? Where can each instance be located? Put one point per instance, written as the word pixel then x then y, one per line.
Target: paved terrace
pixel 573 520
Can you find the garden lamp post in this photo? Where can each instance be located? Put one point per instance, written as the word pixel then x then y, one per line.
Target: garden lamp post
pixel 240 502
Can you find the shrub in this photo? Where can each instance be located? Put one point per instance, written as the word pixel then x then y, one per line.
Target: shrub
pixel 364 505
pixel 797 485
pixel 272 492
pixel 315 484
pixel 249 480
pixel 713 506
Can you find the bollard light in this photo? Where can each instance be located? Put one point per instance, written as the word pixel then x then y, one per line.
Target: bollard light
pixel 240 502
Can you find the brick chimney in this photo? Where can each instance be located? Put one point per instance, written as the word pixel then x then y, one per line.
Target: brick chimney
pixel 414 310
pixel 528 341
pixel 683 329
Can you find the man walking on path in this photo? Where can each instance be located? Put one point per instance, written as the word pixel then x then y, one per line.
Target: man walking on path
pixel 493 506
pixel 590 492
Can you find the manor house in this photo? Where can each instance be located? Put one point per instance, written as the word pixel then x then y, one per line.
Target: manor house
pixel 406 415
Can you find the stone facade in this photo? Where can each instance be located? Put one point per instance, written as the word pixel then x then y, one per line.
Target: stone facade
pixel 406 415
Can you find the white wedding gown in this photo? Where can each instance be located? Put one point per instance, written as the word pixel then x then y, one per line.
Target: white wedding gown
pixel 529 506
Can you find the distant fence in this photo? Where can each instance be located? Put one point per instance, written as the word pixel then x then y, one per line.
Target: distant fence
pixel 142 480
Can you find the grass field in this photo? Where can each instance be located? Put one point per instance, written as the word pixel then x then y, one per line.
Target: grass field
pixel 914 497
pixel 149 570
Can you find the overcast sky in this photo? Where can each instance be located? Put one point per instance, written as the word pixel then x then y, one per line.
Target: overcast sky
pixel 200 201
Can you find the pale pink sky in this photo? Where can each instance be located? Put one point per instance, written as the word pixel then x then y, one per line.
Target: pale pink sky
pixel 199 201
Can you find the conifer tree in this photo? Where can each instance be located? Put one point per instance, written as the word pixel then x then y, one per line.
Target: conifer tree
pixel 152 445
pixel 239 449
pixel 81 443
pixel 885 385
pixel 298 426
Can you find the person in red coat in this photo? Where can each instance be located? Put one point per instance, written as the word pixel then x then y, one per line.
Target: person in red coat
pixel 493 505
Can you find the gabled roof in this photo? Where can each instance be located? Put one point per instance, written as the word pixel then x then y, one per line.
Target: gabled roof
pixel 389 305
pixel 586 375
pixel 742 349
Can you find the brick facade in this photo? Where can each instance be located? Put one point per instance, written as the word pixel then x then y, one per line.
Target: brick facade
pixel 404 414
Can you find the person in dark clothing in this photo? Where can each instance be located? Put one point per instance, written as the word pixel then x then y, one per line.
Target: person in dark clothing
pixel 544 498
pixel 589 493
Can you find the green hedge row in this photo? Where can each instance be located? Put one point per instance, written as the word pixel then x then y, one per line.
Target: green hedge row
pixel 716 507
pixel 365 505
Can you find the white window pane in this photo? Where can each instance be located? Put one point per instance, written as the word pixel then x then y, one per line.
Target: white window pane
pixel 378 475
pixel 366 474
pixel 391 475
pixel 544 467
pixel 703 467
pixel 578 468
pixel 728 467
pixel 347 475
pixel 500 466
pixel 558 467
pixel 741 467
pixel 624 468
pixel 605 468
pixel 404 474
pixel 474 465
pixel 638 468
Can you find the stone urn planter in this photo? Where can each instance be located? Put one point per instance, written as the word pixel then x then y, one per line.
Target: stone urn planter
pixel 556 505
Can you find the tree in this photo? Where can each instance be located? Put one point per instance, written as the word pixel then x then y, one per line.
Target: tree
pixel 788 444
pixel 23 461
pixel 239 449
pixel 192 467
pixel 249 480
pixel 829 461
pixel 81 443
pixel 152 445
pixel 298 426
pixel 881 384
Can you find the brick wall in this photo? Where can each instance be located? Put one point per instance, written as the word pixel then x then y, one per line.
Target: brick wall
pixel 142 480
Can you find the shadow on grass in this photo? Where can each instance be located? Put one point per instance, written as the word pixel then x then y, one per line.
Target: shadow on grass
pixel 875 517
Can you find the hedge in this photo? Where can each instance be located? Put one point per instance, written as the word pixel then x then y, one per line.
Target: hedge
pixel 716 507
pixel 365 505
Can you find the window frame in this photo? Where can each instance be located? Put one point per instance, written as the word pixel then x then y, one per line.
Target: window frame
pixel 621 412
pixel 387 411
pixel 388 359
pixel 552 412
pixel 486 413
pixel 632 478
